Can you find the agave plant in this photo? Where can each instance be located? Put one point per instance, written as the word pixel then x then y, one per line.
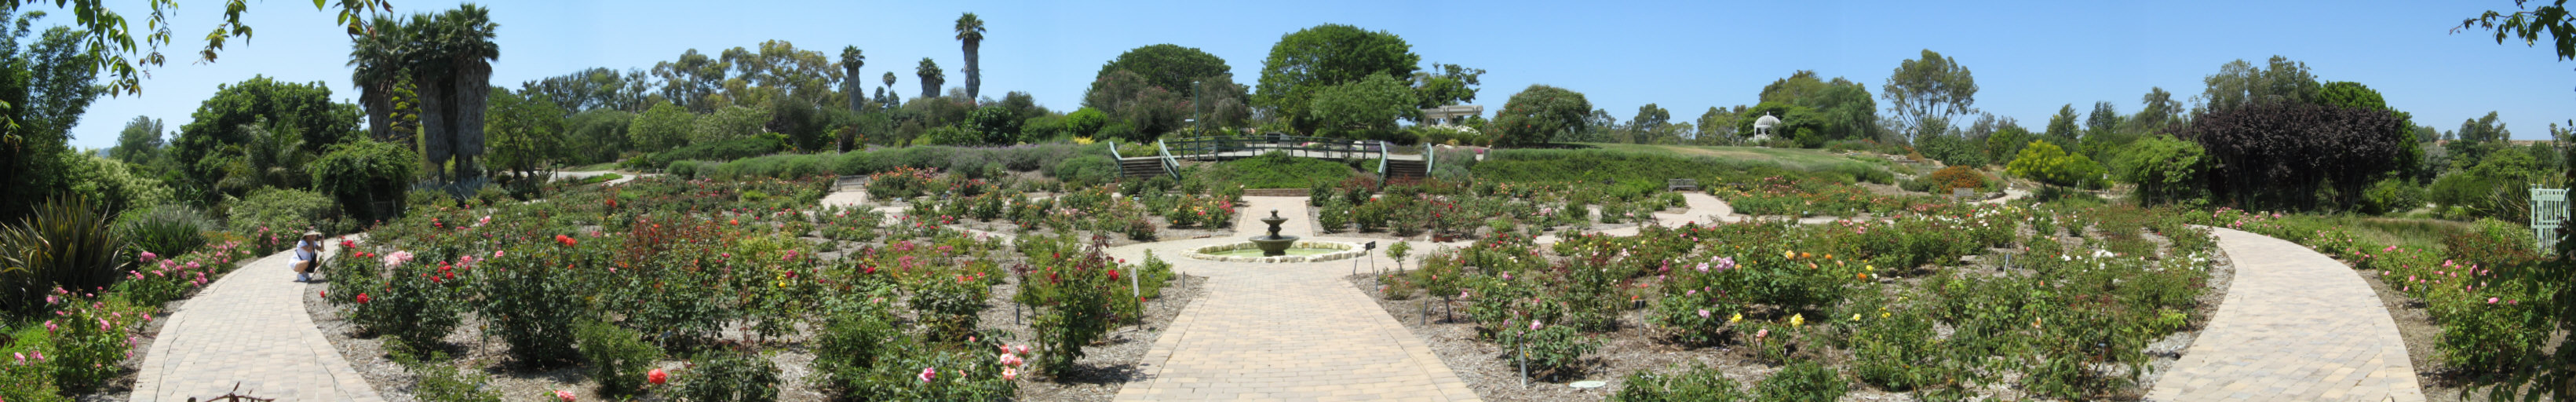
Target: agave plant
pixel 64 243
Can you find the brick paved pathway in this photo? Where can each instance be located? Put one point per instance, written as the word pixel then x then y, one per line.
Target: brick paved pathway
pixel 249 327
pixel 2295 326
pixel 1284 331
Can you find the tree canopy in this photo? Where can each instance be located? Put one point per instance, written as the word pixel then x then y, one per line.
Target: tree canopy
pixel 1538 113
pixel 2280 154
pixel 1930 87
pixel 1305 62
pixel 1168 66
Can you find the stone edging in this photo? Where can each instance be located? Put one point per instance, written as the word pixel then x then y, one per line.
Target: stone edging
pixel 1348 251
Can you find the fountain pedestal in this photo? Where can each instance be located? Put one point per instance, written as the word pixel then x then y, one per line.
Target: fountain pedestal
pixel 1274 245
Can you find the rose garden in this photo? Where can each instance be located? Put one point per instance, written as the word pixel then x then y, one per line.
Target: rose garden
pixel 754 225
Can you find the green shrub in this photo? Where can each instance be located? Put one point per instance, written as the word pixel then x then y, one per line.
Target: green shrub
pixel 168 230
pixel 854 342
pixel 2047 163
pixel 28 382
pixel 367 177
pixel 64 244
pixel 272 217
pixel 1072 300
pixel 948 307
pixel 1699 384
pixel 437 381
pixel 1278 170
pixel 86 356
pixel 418 304
pixel 730 375
pixel 618 357
pixel 1804 381
pixel 1085 170
pixel 533 300
pixel 1892 348
pixel 1554 351
pixel 2391 195
pixel 725 150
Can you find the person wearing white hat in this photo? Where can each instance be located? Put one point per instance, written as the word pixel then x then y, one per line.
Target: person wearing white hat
pixel 307 250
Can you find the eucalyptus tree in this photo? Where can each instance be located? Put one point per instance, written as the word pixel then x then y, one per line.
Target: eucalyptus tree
pixel 970 33
pixel 1931 87
pixel 851 60
pixel 930 76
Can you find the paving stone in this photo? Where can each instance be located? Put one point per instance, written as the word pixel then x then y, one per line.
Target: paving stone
pixel 248 328
pixel 2295 325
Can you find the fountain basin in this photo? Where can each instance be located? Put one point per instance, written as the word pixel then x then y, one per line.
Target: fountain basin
pixel 1302 251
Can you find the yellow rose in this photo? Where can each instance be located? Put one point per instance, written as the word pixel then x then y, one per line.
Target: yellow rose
pixel 1797 320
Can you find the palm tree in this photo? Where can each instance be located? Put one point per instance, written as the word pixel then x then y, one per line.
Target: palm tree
pixel 851 60
pixel 970 31
pixel 377 56
pixel 931 77
pixel 452 69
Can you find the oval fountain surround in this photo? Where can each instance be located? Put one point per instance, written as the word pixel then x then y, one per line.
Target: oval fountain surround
pixel 1274 248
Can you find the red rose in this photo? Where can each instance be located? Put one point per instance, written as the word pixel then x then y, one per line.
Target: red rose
pixel 362 298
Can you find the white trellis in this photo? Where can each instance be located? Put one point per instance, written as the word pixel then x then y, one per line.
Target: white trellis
pixel 2548 212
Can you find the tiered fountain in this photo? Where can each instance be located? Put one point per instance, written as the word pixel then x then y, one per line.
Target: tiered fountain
pixel 1273 247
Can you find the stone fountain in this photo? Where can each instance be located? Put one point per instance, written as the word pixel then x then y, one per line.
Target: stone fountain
pixel 1274 245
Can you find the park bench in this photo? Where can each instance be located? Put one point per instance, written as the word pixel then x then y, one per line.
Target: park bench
pixel 1680 184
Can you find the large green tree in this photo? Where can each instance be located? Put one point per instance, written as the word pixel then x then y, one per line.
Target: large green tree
pixel 1447 84
pixel 593 88
pixel 140 142
pixel 1305 62
pixel 970 36
pixel 1365 109
pixel 1841 109
pixel 1168 66
pixel 2239 83
pixel 2158 111
pixel 661 128
pixel 1538 114
pixel 1132 99
pixel 225 126
pixel 1649 124
pixel 1930 87
pixel 46 86
pixel 527 133
pixel 777 70
pixel 694 81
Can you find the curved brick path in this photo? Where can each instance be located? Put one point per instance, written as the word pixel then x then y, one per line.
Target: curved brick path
pixel 2295 326
pixel 1284 331
pixel 249 327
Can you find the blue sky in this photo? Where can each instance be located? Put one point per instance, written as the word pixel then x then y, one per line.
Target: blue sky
pixel 1686 56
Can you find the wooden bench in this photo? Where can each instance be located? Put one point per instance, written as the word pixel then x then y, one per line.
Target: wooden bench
pixel 1680 184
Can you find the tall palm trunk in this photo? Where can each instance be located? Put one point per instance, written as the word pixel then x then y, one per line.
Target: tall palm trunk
pixel 974 71
pixel 435 134
pixel 378 98
pixel 473 90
